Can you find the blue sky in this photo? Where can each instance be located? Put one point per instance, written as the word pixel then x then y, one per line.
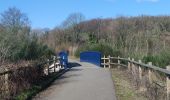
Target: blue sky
pixel 50 13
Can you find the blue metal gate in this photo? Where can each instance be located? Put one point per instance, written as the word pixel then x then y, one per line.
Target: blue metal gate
pixel 93 57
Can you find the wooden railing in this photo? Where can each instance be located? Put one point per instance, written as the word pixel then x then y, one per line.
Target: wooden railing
pixel 53 64
pixel 53 60
pixel 139 70
pixel 9 77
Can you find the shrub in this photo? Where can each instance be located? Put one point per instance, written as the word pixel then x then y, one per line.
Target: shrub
pixel 161 60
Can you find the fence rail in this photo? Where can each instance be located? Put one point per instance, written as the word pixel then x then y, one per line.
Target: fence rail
pixel 55 59
pixel 138 69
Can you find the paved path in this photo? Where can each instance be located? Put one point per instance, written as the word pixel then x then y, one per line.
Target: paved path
pixel 83 82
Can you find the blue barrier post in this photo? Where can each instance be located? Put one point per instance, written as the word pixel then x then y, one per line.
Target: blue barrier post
pixel 64 59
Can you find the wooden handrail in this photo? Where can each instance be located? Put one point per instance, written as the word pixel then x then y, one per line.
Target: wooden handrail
pixel 40 64
pixel 165 71
pixel 6 72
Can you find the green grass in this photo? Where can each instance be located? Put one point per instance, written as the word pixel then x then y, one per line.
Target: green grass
pixel 28 93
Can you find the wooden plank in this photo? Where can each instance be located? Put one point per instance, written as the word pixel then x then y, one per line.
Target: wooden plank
pixel 150 73
pixel 118 61
pixel 48 65
pixel 109 61
pixel 6 83
pixel 129 65
pixel 54 58
pixel 140 71
pixel 6 72
pixel 105 58
pixel 104 62
pixel 133 68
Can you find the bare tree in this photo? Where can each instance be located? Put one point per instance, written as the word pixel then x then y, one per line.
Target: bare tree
pixel 15 33
pixel 73 19
pixel 13 19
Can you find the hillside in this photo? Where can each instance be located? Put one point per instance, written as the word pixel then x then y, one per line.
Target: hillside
pixel 139 37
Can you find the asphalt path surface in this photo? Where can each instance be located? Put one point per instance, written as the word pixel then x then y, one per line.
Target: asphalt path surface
pixel 83 81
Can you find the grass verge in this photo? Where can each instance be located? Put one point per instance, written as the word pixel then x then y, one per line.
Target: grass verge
pixel 124 89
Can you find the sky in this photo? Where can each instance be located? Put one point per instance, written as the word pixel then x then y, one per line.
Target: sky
pixel 51 13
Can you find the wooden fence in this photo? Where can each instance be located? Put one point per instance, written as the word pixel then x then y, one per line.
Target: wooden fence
pixel 16 80
pixel 139 70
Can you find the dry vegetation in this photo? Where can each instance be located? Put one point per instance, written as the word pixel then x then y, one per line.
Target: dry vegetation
pixel 21 76
pixel 135 84
pixel 125 89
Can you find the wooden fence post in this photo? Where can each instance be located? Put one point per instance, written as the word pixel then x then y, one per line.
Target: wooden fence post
pixel 54 58
pixel 48 64
pixel 140 71
pixel 168 84
pixel 104 62
pixel 141 86
pixel 150 73
pixel 6 82
pixel 118 62
pixel 129 64
pixel 58 61
pixel 109 61
pixel 133 67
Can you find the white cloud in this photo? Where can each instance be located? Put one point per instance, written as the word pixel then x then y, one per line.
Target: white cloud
pixel 147 0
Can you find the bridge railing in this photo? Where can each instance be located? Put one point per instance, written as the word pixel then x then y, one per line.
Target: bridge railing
pixel 12 81
pixel 144 75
